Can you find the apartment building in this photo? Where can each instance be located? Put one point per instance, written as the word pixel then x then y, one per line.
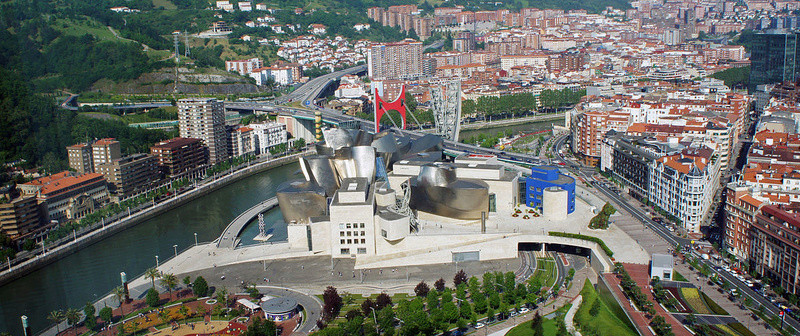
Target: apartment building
pixel 68 196
pixel 179 155
pixel 131 174
pixel 244 67
pixel 774 250
pixel 79 157
pixel 241 140
pixel 399 60
pixel 740 211
pixel 204 119
pixel 684 185
pixel 19 215
pixel 105 150
pixel 268 135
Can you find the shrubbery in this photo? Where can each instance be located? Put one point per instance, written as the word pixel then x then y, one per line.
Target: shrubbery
pixel 584 237
pixel 600 221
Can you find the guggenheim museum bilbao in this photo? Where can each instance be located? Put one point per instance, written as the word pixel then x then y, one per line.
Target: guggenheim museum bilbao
pixel 380 197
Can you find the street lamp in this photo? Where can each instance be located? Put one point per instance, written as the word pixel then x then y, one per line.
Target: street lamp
pixel 195 239
pixel 156 261
pixel 175 247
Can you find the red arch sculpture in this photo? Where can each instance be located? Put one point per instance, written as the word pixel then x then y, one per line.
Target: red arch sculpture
pixel 381 107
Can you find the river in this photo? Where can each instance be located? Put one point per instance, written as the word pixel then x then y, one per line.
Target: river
pixel 92 272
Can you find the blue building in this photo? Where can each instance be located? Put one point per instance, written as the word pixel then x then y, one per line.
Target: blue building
pixel 543 177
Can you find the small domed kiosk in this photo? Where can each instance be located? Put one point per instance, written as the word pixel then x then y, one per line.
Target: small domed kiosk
pixel 279 309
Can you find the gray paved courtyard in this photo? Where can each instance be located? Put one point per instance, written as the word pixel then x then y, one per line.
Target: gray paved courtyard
pixel 313 274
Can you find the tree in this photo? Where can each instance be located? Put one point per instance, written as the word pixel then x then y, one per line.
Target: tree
pixel 169 281
pixel 56 316
pixel 88 312
pixel 73 316
pixel 151 298
pixel 352 314
pixel 200 287
pixel 439 284
pixel 299 144
pixel 332 303
pixel 260 327
pixel 383 300
pixel 152 274
pixel 537 324
pixel 367 306
pixel 106 314
pixel 459 278
pixel 595 309
pixel 222 296
pixel 187 281
pixel 422 289
pixel 119 293
pixel 490 314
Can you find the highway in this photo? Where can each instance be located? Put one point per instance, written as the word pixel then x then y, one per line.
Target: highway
pixel 314 87
pixel 678 242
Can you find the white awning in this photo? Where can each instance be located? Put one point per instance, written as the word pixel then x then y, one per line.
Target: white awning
pixel 248 304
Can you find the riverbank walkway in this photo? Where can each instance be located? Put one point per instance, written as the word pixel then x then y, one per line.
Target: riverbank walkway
pixel 230 237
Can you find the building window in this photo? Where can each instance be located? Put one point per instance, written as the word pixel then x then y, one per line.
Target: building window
pixel 362 250
pixel 383 233
pixel 345 251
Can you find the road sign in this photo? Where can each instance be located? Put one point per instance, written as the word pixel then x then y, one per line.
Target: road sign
pixel 307 103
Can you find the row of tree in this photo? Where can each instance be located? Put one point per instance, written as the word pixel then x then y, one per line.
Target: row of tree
pixel 432 310
pixel 519 103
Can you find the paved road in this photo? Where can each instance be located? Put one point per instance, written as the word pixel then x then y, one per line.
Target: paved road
pixel 310 303
pixel 312 88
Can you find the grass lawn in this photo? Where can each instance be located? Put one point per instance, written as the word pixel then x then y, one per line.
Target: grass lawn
pixel 549 325
pixel 546 272
pixel 715 308
pixel 82 26
pixel 678 277
pixel 524 329
pixel 164 3
pixel 605 323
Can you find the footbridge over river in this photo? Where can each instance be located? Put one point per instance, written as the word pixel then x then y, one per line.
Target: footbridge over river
pixel 230 236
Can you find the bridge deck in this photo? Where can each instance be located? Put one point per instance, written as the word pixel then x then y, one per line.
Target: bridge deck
pixel 230 237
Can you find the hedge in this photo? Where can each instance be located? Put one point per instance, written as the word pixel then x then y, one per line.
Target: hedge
pixel 584 237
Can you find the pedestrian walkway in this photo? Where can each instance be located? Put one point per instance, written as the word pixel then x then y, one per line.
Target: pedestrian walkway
pixel 568 318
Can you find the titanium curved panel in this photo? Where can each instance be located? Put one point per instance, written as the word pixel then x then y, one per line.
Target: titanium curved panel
pixel 436 190
pixel 436 175
pixel 385 144
pixel 344 163
pixel 363 138
pixel 364 159
pixel 460 203
pixel 320 170
pixel 427 143
pixel 337 138
pixel 301 200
